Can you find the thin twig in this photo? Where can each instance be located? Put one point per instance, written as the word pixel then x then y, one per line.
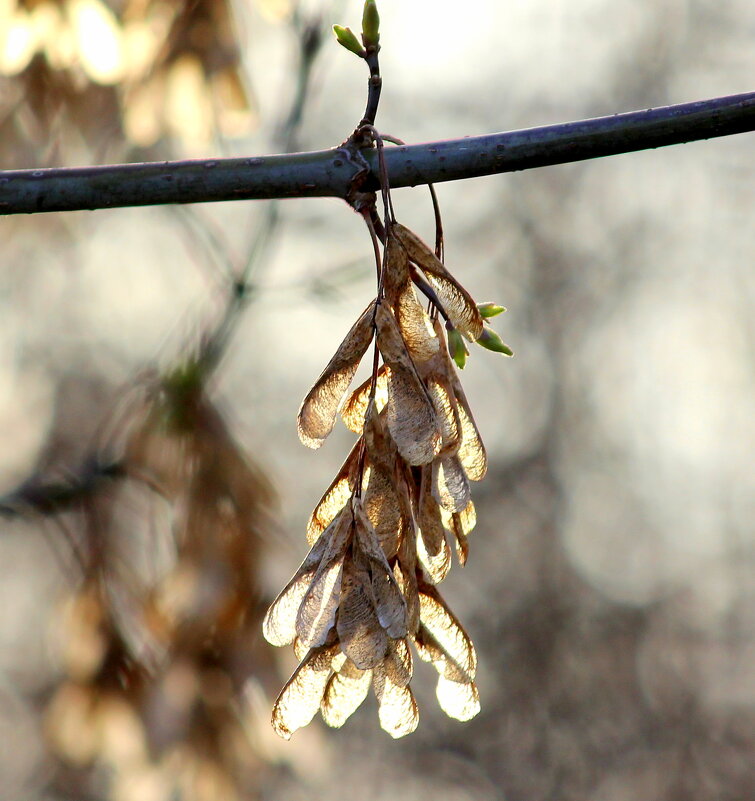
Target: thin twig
pixel 374 86
pixel 328 174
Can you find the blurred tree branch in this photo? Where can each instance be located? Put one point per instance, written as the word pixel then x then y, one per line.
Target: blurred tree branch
pixel 330 173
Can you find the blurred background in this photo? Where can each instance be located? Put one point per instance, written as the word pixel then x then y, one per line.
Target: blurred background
pixel 610 584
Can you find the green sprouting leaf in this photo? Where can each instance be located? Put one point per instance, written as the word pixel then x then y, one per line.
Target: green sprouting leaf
pixel 370 24
pixel 490 309
pixel 456 348
pixel 492 341
pixel 347 38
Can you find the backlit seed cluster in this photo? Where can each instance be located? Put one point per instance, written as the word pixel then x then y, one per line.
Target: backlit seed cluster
pixel 381 535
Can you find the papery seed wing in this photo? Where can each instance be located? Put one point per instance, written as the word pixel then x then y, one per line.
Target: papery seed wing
pixel 397 708
pixel 456 691
pixel 398 664
pixel 450 485
pixel 410 414
pixel 382 509
pixel 445 406
pixel 427 647
pixel 405 571
pixel 459 700
pixel 345 692
pixel 355 407
pixel 301 697
pixel 395 267
pixel 335 497
pixel 381 449
pixel 415 326
pixel 460 524
pixel 362 637
pixel 455 299
pixel 379 490
pixel 300 650
pixel 317 612
pixel 432 545
pixel 471 450
pixel 279 624
pixel 465 520
pixel 462 545
pixel 458 305
pixel 411 420
pixel 318 410
pixel 413 322
pixel 389 603
pixel 404 486
pixel 443 625
pixel 429 650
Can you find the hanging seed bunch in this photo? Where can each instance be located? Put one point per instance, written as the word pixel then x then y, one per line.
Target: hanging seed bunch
pixel 163 637
pixel 381 535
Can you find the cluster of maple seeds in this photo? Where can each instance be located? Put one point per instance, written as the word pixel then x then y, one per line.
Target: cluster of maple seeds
pixel 380 535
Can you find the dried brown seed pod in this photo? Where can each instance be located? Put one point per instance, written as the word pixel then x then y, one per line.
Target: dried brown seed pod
pixel 318 411
pixel 413 321
pixel 410 414
pixel 457 302
pixel 302 694
pixel 335 497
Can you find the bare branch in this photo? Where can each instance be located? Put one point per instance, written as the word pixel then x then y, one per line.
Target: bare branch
pixel 328 173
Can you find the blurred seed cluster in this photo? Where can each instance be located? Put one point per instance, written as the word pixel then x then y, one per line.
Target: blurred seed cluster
pixel 101 74
pixel 161 641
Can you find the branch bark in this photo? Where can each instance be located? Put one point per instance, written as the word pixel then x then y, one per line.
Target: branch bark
pixel 329 173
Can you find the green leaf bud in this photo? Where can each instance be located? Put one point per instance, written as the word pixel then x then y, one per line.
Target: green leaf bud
pixel 492 341
pixel 347 38
pixel 370 24
pixel 456 348
pixel 490 309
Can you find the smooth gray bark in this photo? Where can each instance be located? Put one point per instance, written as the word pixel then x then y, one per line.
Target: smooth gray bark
pixel 329 173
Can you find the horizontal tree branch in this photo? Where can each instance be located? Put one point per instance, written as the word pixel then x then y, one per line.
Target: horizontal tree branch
pixel 329 173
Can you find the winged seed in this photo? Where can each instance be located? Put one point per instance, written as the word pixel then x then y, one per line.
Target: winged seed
pixel 335 497
pixel 345 692
pixel 279 625
pixel 397 709
pixel 456 301
pixel 362 638
pixel 300 699
pixel 459 700
pixel 410 414
pixel 318 411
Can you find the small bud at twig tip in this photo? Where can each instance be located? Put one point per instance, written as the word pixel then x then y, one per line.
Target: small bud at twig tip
pixel 347 38
pixel 370 24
